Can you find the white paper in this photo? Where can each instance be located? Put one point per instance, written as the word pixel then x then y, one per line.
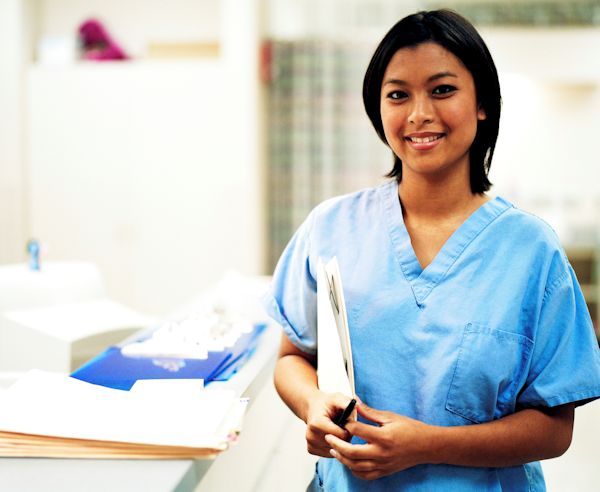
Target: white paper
pixel 166 388
pixel 335 371
pixel 52 404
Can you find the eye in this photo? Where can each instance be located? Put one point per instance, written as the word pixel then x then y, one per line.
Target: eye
pixel 397 95
pixel 444 90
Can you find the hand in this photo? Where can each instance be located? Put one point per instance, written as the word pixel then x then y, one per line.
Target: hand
pixel 394 444
pixel 322 409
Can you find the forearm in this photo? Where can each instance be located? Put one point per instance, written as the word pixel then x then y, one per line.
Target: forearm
pixel 528 435
pixel 296 382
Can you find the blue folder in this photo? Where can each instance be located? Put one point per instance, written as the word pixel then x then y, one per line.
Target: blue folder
pixel 113 369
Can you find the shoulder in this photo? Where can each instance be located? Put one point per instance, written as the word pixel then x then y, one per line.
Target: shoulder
pixel 336 218
pixel 351 206
pixel 338 226
pixel 529 236
pixel 527 229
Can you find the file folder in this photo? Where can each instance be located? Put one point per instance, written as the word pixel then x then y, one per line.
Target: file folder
pixel 114 370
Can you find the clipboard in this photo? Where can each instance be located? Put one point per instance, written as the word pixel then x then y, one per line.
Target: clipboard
pixel 335 369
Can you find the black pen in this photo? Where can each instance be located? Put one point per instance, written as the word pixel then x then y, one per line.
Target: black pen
pixel 341 420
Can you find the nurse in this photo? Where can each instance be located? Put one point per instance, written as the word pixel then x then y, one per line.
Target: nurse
pixel 471 339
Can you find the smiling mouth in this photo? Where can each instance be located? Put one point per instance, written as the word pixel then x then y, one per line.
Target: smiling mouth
pixel 428 139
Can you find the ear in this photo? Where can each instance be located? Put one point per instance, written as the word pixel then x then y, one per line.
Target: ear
pixel 481 113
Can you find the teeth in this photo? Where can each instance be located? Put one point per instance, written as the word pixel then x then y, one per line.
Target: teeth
pixel 424 140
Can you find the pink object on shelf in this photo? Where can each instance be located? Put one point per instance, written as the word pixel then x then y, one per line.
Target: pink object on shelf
pixel 96 44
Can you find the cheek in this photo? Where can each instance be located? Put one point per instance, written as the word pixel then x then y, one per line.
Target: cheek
pixel 454 116
pixel 463 121
pixel 392 124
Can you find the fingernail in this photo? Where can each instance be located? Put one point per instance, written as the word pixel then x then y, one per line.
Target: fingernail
pixel 333 453
pixel 327 437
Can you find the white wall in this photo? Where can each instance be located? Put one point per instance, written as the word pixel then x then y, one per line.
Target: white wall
pixel 12 177
pixel 152 169
pixel 546 159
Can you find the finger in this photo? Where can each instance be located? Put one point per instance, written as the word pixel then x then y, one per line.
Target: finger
pixel 316 443
pixel 325 426
pixel 340 403
pixel 356 466
pixel 341 400
pixel 370 475
pixel 377 416
pixel 316 450
pixel 350 451
pixel 367 432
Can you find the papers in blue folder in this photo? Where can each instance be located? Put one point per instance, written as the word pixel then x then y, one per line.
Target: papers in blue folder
pixel 113 369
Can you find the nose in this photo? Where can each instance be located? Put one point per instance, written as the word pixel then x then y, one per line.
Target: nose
pixel 421 111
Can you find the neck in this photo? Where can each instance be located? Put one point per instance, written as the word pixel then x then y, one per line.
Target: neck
pixel 430 198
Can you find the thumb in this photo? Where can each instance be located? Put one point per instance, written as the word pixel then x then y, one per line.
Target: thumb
pixel 377 416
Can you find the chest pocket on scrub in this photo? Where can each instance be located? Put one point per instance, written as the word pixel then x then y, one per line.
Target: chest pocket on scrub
pixel 490 370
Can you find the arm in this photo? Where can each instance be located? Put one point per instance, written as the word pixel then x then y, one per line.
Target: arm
pixel 525 436
pixel 398 442
pixel 296 383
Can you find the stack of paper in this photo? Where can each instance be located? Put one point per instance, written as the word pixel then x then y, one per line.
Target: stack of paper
pixel 51 415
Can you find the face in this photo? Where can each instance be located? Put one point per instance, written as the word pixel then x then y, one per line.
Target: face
pixel 429 110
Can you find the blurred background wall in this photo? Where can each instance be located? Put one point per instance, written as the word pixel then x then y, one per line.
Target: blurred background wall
pixel 150 167
pixel 206 149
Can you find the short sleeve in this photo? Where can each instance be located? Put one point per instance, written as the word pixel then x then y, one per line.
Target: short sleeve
pixel 565 365
pixel 292 298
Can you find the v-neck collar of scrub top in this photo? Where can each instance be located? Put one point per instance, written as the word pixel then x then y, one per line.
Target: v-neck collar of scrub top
pixel 423 281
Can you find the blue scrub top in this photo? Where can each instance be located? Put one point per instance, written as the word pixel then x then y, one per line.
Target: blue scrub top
pixel 495 323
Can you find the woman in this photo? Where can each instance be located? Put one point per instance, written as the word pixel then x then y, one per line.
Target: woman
pixel 472 343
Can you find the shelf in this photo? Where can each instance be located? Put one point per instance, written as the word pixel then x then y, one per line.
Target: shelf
pixel 135 25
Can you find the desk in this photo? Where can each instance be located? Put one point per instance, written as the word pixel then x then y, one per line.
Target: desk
pixel 237 469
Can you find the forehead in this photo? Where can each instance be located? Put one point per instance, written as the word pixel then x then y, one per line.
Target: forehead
pixel 424 59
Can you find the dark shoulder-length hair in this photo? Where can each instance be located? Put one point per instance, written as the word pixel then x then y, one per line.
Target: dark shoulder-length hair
pixel 457 35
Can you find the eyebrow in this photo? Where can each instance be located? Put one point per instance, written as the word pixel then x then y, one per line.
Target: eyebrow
pixel 436 76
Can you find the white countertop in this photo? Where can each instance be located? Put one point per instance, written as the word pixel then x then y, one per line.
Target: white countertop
pixel 64 475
